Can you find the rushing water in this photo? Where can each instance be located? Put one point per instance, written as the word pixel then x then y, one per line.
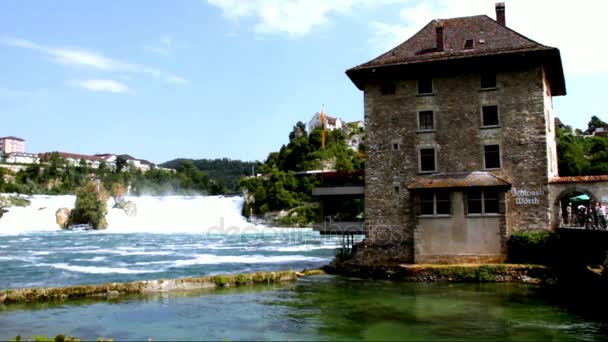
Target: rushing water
pixel 192 236
pixel 170 237
pixel 316 308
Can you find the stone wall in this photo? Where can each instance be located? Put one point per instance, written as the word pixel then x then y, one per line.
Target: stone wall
pixel 597 191
pixel 393 142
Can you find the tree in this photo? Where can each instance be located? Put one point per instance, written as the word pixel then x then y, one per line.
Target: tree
pixel 89 207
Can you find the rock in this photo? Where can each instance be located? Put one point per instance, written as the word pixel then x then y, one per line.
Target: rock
pixel 130 208
pixel 62 216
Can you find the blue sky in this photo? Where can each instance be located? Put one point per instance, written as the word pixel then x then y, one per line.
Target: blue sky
pixel 229 78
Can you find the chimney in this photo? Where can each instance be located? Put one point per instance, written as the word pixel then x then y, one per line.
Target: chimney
pixel 439 32
pixel 500 13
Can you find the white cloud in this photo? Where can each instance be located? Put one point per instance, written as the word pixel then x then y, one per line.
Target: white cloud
pixel 86 58
pixel 109 86
pixel 294 17
pixel 576 29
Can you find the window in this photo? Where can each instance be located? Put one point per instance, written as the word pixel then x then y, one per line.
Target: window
pixel 488 79
pixel 388 89
pixel 427 160
pixel 425 85
pixel 425 120
pixel 435 203
pixel 482 202
pixel 468 45
pixel 489 115
pixel 395 147
pixel 492 156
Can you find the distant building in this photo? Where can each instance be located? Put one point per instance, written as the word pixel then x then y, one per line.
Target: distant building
pixel 21 158
pixel 331 123
pixel 356 124
pixel 12 144
pixel 140 164
pixel 73 159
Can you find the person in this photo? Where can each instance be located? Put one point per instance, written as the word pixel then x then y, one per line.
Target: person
pixel 568 220
pixel 580 215
pixel 600 211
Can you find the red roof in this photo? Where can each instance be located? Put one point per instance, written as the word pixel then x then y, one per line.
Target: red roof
pixel 579 179
pixel 12 138
pixel 489 39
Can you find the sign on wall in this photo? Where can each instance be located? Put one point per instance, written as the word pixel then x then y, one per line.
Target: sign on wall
pixel 527 197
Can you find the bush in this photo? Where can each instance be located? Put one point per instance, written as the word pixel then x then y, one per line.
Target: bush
pixel 89 208
pixel 532 247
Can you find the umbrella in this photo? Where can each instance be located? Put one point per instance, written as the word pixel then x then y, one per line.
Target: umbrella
pixel 579 198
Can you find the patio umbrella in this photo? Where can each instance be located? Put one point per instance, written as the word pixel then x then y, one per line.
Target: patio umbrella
pixel 579 198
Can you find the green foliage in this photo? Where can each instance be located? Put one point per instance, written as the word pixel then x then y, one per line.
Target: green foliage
pixel 580 155
pixel 280 189
pixel 89 208
pixel 532 247
pixel 53 176
pixel 224 172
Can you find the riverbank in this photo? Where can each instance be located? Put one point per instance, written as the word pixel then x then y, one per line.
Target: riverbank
pixel 472 273
pixel 476 273
pixel 30 295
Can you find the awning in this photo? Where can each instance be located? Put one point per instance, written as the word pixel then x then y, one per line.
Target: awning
pixel 458 180
pixel 579 198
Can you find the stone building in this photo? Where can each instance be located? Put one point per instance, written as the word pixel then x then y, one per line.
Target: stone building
pixel 460 141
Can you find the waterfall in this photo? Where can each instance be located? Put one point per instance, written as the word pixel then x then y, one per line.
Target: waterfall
pixel 170 214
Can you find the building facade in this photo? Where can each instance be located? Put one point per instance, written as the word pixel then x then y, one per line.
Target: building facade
pixel 460 140
pixel 12 144
pixel 331 123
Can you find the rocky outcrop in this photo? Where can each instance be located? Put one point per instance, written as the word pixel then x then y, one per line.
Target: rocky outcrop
pixel 90 207
pixel 129 207
pixel 62 217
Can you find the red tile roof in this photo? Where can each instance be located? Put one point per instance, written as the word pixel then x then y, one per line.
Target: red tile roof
pixel 579 179
pixel 489 39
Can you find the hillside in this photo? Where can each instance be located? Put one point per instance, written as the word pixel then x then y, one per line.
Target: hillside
pixel 226 172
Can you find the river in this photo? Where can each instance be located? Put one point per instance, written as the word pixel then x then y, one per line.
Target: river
pixel 195 236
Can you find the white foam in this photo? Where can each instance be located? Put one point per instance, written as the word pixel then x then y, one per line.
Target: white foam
pixel 99 270
pixel 171 214
pixel 94 259
pixel 211 259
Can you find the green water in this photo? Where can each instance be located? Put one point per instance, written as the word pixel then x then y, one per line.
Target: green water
pixel 315 308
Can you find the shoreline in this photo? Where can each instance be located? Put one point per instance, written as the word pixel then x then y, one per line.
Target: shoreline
pixel 431 273
pixel 448 273
pixel 38 294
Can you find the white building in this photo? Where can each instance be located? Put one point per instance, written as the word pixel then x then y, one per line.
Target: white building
pixel 330 123
pixel 21 158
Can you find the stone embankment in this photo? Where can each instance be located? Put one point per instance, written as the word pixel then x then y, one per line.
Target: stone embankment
pixel 148 286
pixel 478 273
